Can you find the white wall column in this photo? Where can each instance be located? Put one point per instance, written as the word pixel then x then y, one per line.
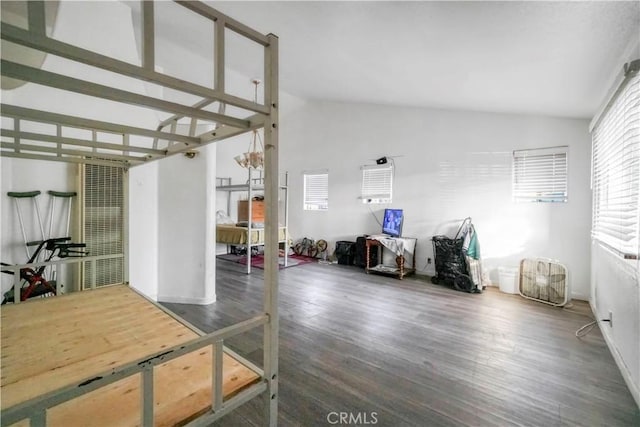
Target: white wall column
pixel 210 223
pixel 143 229
pixel 182 229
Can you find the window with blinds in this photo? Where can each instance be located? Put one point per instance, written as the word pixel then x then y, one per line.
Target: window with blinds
pixel 540 175
pixel 103 223
pixel 377 183
pixel 316 191
pixel 616 172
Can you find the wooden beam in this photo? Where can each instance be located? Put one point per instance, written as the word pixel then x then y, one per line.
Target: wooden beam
pixel 219 56
pixel 236 26
pixel 271 248
pixel 59 81
pixel 63 159
pixel 79 142
pixel 78 122
pixel 36 17
pixel 75 153
pixel 228 131
pixel 58 48
pixel 148 36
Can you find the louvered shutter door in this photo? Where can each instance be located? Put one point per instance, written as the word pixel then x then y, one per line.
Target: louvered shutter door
pixel 103 223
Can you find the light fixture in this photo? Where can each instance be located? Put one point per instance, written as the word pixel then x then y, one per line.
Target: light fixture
pixel 254 156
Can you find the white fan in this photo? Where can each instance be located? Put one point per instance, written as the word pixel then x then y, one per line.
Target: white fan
pixel 544 280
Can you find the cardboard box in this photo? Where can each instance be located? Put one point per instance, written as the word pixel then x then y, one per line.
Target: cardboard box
pixel 257 210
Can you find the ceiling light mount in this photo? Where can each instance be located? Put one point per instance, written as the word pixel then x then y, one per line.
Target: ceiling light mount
pixel 254 156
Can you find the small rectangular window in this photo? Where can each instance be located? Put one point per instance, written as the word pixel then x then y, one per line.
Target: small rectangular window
pixel 316 191
pixel 540 175
pixel 377 183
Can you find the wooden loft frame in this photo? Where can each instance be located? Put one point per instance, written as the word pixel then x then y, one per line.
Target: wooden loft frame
pixel 158 142
pixel 128 152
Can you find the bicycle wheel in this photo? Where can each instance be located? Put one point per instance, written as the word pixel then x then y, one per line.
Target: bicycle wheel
pixel 322 245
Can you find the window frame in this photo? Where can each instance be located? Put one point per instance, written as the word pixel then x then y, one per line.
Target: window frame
pixel 318 202
pixel 540 175
pixel 377 184
pixel 615 173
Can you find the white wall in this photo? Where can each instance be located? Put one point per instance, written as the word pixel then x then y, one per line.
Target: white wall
pixel 449 165
pixel 615 288
pixel 182 223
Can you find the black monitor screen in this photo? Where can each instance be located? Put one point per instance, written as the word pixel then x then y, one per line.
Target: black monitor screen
pixel 392 222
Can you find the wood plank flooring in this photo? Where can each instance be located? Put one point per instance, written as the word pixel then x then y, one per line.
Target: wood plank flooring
pixel 50 343
pixel 410 353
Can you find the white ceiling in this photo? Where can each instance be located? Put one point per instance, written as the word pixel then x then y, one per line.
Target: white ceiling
pixel 549 58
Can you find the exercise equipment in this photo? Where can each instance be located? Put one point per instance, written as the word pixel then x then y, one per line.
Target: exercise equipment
pixel 41 281
pixel 35 284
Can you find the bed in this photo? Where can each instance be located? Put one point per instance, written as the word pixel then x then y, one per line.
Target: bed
pixel 109 356
pixel 46 348
pixel 236 235
pixel 250 235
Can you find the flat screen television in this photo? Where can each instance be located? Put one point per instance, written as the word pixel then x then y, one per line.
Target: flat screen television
pixel 392 222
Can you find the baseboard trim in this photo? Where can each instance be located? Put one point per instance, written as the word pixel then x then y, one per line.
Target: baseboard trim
pixel 186 300
pixel 626 375
pixel 152 297
pixel 580 297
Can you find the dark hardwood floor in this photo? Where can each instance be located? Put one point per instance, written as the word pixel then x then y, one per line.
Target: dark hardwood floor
pixel 410 353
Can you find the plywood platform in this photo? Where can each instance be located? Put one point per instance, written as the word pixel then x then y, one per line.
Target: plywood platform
pixel 54 342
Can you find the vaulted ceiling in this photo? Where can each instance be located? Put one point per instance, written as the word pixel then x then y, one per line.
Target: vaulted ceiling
pixel 549 58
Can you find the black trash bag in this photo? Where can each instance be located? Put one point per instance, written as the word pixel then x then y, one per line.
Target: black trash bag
pixel 450 261
pixel 452 265
pixel 345 252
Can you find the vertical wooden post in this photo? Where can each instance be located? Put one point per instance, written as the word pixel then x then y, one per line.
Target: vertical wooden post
pixel 219 56
pixel 36 17
pixel 148 35
pixel 217 374
pixel 271 186
pixel 146 398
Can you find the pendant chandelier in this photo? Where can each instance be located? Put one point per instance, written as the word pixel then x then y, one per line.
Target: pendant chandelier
pixel 254 156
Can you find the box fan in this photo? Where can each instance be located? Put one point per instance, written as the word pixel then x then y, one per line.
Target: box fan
pixel 544 280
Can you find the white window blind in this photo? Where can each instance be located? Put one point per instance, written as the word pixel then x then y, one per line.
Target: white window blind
pixel 616 172
pixel 540 175
pixel 103 223
pixel 377 183
pixel 316 191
